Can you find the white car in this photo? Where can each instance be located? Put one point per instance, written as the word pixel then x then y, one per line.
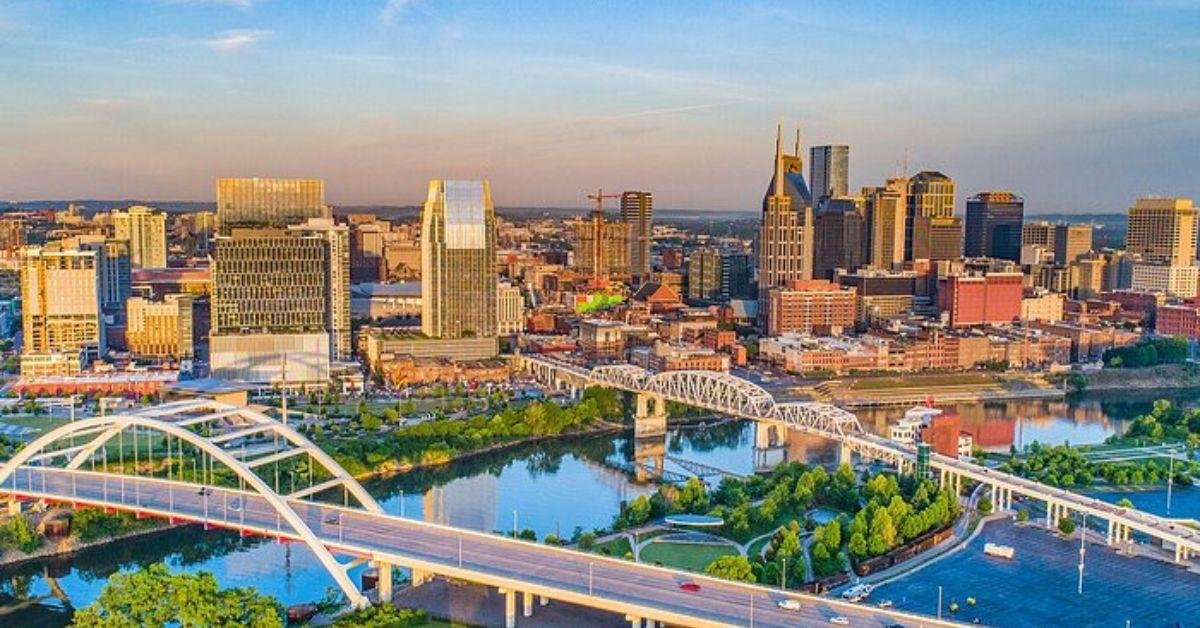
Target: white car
pixel 839 620
pixel 789 605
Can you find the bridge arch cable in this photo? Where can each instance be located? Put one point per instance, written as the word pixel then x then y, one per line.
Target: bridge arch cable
pixel 233 438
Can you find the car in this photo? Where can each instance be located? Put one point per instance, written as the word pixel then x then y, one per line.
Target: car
pixel 690 587
pixel 789 605
pixel 839 620
pixel 894 626
pixel 885 604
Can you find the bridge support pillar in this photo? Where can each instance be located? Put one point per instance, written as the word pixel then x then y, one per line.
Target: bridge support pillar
pixel 383 588
pixel 634 621
pixel 13 507
pixel 510 608
pixel 420 577
pixel 527 604
pixel 650 416
pixel 1109 535
pixel 845 454
pixel 543 600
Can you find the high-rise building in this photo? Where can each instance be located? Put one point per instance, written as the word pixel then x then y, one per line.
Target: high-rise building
pixel 637 210
pixel 269 202
pixel 993 225
pixel 704 274
pixel 601 247
pixel 367 241
pixel 281 303
pixel 1071 241
pixel 60 307
pixel 146 231
pixel 458 260
pixel 1163 230
pixel 840 235
pixel 785 243
pixel 510 309
pixel 1066 241
pixel 160 329
pixel 979 299
pixel 937 238
pixel 829 171
pixel 930 195
pixel 886 209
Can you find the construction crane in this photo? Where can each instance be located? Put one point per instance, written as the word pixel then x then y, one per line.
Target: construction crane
pixel 598 233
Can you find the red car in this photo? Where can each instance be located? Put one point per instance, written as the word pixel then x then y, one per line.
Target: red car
pixel 690 586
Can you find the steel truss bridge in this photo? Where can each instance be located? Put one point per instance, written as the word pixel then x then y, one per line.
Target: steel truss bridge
pixel 225 466
pixel 734 396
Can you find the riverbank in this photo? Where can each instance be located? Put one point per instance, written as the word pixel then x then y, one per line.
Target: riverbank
pixel 1166 377
pixel 70 546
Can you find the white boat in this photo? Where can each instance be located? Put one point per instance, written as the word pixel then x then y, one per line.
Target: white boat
pixel 997 550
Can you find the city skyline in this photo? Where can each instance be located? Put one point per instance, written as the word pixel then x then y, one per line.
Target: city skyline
pixel 157 99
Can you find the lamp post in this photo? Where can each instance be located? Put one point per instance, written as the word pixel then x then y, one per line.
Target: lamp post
pixel 1170 479
pixel 514 523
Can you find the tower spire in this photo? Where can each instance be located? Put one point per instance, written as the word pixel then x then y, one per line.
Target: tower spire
pixel 778 191
pixel 797 140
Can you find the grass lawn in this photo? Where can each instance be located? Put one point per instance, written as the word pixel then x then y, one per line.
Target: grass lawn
pixel 40 423
pixel 688 556
pixel 617 548
pixel 756 548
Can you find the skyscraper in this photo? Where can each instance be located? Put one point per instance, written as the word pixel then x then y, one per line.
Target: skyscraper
pixel 930 195
pixel 458 260
pixel 839 239
pixel 281 283
pixel 886 211
pixel 60 311
pixel 829 171
pixel 146 231
pixel 993 225
pixel 637 210
pixel 601 247
pixel 785 244
pixel 1163 230
pixel 257 202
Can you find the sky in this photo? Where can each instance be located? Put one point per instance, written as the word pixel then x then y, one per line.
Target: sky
pixel 1077 106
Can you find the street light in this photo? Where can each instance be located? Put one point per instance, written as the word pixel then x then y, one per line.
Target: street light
pixel 514 523
pixel 1170 479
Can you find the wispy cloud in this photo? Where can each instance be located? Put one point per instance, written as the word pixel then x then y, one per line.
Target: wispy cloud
pixel 392 10
pixel 244 5
pixel 235 41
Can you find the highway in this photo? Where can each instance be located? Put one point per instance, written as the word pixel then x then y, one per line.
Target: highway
pixel 586 579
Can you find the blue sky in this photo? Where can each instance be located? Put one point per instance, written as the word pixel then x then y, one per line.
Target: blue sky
pixel 1077 106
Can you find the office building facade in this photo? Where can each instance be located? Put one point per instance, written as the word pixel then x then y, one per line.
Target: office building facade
pixel 839 238
pixel 829 171
pixel 254 202
pixel 930 195
pixel 458 259
pixel 146 231
pixel 1163 230
pixel 160 329
pixel 785 244
pixel 993 225
pixel 60 307
pixel 637 210
pixel 886 210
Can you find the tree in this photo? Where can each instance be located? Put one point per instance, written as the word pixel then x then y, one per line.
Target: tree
pixel 1022 515
pixel 1124 503
pixel 735 568
pixel 155 597
pixel 1066 525
pixel 693 497
pixel 587 541
pixel 984 505
pixel 858 545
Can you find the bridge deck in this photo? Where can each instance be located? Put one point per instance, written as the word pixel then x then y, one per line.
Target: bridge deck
pixel 571 576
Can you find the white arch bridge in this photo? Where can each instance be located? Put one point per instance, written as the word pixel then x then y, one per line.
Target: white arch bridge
pixel 225 466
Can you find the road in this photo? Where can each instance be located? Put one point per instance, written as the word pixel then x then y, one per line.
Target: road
pixel 560 574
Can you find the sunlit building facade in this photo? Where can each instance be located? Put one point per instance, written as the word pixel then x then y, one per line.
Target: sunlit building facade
pixel 146 231
pixel 458 253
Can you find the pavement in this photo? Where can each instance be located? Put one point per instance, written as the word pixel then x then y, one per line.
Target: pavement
pixel 562 574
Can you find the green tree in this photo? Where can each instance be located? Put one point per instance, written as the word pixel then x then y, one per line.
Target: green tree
pixel 385 616
pixel 20 534
pixel 731 568
pixel 1066 525
pixel 858 545
pixel 1124 503
pixel 155 597
pixel 693 497
pixel 1022 515
pixel 984 505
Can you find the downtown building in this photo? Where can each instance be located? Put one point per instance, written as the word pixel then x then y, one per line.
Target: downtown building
pixel 932 231
pixel 718 275
pixel 886 211
pixel 459 291
pixel 62 321
pixel 601 248
pixel 1065 242
pixel 637 211
pixel 829 171
pixel 281 284
pixel 785 243
pixel 813 306
pixel 993 225
pixel 839 239
pixel 146 231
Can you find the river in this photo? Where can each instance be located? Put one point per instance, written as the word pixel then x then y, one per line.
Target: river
pixel 550 488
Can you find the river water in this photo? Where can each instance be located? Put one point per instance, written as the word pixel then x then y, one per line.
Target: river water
pixel 550 488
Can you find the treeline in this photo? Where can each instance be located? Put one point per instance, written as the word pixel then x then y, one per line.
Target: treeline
pixel 1166 422
pixel 440 440
pixel 1148 352
pixel 1066 467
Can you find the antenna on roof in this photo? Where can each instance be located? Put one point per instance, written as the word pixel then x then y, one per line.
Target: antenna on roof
pixel 904 173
